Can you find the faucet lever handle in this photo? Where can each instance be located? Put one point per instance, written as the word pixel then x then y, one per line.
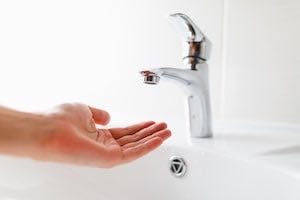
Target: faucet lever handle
pixel 197 47
pixel 186 27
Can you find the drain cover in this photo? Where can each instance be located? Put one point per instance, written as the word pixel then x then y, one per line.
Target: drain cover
pixel 177 166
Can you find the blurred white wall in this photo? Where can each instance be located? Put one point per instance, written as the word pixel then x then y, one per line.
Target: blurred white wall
pixel 262 61
pixel 91 51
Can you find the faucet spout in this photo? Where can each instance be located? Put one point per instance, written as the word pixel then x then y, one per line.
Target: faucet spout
pixel 195 85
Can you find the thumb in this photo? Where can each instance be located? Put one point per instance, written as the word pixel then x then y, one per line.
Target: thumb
pixel 100 116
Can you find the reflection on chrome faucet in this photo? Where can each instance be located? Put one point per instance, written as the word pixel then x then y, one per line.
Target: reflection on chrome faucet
pixel 193 81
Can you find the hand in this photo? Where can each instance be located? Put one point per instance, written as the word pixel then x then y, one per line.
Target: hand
pixel 76 139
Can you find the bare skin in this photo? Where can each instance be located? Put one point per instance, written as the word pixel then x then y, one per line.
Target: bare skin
pixel 69 134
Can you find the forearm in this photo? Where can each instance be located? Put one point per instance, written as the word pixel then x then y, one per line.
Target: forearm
pixel 21 133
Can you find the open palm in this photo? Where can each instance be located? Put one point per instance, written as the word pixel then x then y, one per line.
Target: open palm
pixel 81 142
pixel 130 143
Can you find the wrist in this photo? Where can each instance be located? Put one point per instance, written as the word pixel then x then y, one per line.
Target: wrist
pixel 24 134
pixel 40 128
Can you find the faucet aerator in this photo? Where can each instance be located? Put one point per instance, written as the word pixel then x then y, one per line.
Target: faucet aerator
pixel 150 78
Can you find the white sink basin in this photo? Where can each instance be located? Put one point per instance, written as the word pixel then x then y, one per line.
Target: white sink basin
pixel 229 167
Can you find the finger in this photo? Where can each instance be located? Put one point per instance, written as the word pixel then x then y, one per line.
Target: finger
pixel 142 134
pixel 133 153
pixel 120 132
pixel 163 134
pixel 100 116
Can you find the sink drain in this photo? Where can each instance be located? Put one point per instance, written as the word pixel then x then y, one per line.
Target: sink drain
pixel 177 166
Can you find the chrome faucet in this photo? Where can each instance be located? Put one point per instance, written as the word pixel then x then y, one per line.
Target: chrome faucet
pixel 193 81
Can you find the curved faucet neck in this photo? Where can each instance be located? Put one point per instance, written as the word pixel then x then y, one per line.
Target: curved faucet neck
pixel 186 78
pixel 195 84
